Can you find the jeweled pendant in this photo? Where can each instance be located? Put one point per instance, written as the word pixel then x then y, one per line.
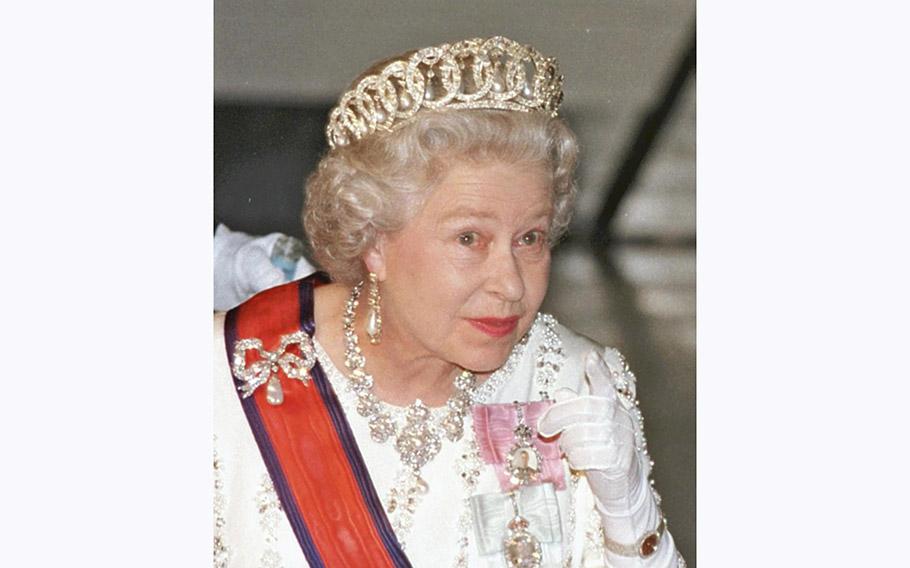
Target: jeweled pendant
pixel 521 548
pixel 274 394
pixel 523 464
pixel 418 442
pixel 374 326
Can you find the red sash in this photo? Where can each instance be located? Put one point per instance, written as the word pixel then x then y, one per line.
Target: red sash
pixel 307 445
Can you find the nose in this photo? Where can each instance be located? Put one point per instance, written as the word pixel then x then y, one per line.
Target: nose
pixel 506 279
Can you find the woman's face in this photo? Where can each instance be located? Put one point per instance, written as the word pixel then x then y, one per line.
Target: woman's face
pixel 463 280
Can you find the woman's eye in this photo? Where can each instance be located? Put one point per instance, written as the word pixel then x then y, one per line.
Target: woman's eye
pixel 530 239
pixel 467 239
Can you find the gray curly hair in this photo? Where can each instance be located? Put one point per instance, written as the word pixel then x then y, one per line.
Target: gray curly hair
pixel 379 183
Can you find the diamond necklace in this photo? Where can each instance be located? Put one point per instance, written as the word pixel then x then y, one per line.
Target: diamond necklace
pixel 419 440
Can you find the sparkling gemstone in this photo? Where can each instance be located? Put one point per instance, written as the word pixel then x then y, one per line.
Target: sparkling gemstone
pixel 649 545
pixel 522 550
pixel 365 407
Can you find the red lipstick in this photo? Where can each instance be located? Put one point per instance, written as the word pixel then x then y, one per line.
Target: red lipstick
pixel 495 327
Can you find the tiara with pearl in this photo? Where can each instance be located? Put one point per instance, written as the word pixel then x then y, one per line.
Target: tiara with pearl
pixel 494 73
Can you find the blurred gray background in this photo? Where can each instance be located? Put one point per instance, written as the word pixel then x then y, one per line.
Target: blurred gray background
pixel 625 276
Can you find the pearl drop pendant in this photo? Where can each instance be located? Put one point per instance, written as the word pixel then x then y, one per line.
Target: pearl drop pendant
pixel 274 394
pixel 374 325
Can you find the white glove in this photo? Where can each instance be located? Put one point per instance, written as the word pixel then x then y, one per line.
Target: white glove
pixel 243 266
pixel 597 435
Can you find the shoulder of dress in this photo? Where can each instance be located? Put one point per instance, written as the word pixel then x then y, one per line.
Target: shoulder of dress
pixel 280 292
pixel 218 324
pixel 576 347
pixel 572 348
pixel 221 364
pixel 271 316
pixel 218 335
pixel 579 345
pixel 575 344
pixel 273 294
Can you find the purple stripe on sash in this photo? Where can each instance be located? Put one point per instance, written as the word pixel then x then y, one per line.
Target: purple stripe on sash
pixel 305 300
pixel 272 463
pixel 343 429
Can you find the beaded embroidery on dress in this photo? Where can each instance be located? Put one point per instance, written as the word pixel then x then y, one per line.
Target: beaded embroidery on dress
pixel 221 552
pixel 270 515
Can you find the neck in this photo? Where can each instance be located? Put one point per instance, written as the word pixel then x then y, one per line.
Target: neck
pixel 401 372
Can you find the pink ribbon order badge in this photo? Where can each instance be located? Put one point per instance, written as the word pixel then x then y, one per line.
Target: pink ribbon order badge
pixel 507 439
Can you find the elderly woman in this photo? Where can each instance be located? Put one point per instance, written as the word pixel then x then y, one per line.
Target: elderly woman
pixel 410 406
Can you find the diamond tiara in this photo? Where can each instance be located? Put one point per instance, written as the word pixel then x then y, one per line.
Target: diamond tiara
pixel 494 73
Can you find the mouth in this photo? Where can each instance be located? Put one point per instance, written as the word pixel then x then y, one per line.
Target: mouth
pixel 495 327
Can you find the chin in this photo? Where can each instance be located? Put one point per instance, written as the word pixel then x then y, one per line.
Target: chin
pixel 487 359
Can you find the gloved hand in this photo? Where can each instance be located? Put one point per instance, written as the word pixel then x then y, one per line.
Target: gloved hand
pixel 243 266
pixel 597 434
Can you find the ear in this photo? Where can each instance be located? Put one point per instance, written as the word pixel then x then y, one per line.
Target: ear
pixel 374 257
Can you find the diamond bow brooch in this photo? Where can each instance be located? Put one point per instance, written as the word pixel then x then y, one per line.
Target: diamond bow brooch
pixel 265 369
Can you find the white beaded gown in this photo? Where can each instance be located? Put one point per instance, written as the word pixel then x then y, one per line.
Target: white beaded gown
pixel 462 519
